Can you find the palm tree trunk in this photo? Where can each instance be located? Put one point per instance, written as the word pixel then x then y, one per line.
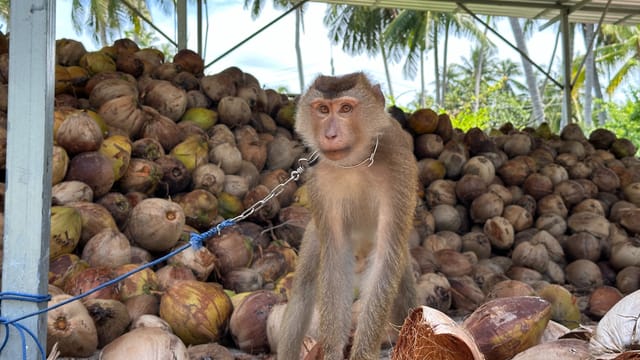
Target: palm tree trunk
pixel 422 52
pixel 298 52
pixel 478 73
pixel 436 65
pixel 445 54
pixel 530 77
pixel 385 61
pixel 602 116
pixel 590 67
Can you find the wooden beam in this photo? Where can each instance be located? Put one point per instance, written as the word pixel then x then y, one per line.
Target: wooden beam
pixel 28 183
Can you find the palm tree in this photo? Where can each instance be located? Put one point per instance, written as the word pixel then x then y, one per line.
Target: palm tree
pixel 256 8
pixel 446 24
pixel 530 77
pixel 360 30
pixel 409 32
pixel 619 50
pixel 4 11
pixel 105 18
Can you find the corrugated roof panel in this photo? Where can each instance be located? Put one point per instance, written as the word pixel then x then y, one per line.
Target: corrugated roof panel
pixel 625 12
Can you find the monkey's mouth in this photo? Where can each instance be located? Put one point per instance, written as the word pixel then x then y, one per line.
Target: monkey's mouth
pixel 336 154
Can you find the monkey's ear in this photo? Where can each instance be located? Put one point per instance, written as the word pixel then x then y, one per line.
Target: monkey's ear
pixel 377 92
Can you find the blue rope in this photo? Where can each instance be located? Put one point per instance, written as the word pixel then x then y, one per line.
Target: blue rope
pixel 195 240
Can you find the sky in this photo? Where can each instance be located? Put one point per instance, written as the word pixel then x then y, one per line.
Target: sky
pixel 271 57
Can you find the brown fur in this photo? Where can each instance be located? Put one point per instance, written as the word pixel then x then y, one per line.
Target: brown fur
pixel 361 216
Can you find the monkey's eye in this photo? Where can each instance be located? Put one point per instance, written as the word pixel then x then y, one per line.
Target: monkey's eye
pixel 323 109
pixel 345 108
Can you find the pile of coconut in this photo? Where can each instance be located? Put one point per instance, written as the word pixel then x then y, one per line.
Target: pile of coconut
pixel 147 150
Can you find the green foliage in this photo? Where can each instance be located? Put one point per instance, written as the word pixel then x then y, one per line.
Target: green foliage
pixel 497 107
pixel 624 119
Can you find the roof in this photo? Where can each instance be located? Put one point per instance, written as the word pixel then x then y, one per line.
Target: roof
pixel 619 12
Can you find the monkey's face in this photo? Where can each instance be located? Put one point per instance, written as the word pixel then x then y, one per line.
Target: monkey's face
pixel 336 126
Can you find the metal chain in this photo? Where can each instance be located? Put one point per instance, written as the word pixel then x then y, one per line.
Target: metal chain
pixel 303 163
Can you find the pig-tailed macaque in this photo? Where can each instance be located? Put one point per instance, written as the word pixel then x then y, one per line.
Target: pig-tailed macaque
pixel 363 197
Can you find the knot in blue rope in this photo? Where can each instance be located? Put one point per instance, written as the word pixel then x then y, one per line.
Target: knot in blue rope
pixel 196 240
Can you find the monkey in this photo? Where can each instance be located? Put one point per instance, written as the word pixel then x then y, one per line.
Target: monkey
pixel 362 193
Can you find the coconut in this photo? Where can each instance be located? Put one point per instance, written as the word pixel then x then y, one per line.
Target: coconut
pixel 79 133
pixel 172 273
pixel 625 253
pixel 428 146
pixel 282 153
pixel 197 99
pixel 142 282
pixel 446 217
pixel 441 191
pixel 564 307
pixel 628 279
pixel 63 267
pixel 88 279
pixel 94 169
pixel 518 216
pixel 118 149
pixel 442 240
pixel 66 228
pixel 147 148
pixel 234 111
pixel 434 290
pixel 200 116
pixel 145 343
pixel 602 300
pixel 227 156
pixel 423 121
pixel 188 82
pixel 123 114
pixel 201 262
pixel 273 178
pixel 466 295
pixel 69 52
pixel 118 205
pixel 109 248
pixel 452 263
pixel 251 146
pixel 218 86
pixel 71 328
pixel 155 224
pixel 175 176
pixel 271 264
pixel 531 255
pixel 192 152
pixel 150 321
pixel 59 165
pixel 111 88
pixel 95 218
pixel 451 160
pixel 146 304
pixel 209 177
pixel 521 321
pixel 478 243
pixel 197 311
pixel 209 352
pixel 583 245
pixel 110 318
pixel 200 208
pixel 469 187
pixel 248 323
pixel 486 206
pixel 141 176
pixel 160 127
pixel 166 71
pixel 70 191
pixel 166 98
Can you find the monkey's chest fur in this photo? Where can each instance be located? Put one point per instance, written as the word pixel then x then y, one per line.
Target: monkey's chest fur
pixel 350 203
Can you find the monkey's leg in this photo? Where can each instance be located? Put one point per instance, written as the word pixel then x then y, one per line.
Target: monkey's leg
pixel 378 298
pixel 299 308
pixel 335 298
pixel 406 298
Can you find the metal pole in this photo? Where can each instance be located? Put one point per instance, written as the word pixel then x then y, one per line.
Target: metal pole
pixel 200 50
pixel 566 64
pixel 182 24
pixel 28 189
